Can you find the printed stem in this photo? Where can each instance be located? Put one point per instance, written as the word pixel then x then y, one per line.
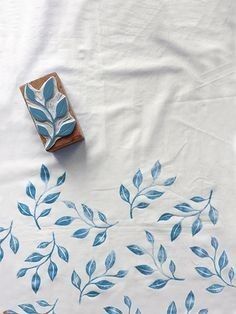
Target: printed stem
pixel 53 307
pixel 8 233
pixel 218 273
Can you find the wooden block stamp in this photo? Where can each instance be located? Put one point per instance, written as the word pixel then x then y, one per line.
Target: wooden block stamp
pixel 51 112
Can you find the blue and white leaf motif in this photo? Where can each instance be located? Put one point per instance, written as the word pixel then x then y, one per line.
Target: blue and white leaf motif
pixel 66 129
pixel 44 173
pixel 216 288
pixel 100 281
pixel 223 260
pixel 138 179
pixel 43 131
pixel 184 207
pixel 136 249
pixel 31 190
pixel 175 232
pixel 7 235
pixel 172 267
pixel 145 269
pixel 28 308
pixel 43 244
pixel 197 226
pixel 124 193
pixel 29 93
pixel 81 233
pixel 153 194
pixel 61 108
pixel 22 272
pixel 204 272
pixel 14 244
pixel 48 89
pixel 112 310
pixel 52 270
pixel 128 302
pixel 199 251
pixel 43 303
pixel 213 215
pixel 51 198
pixel 162 255
pixel 189 302
pixel 156 169
pixel 149 236
pixel 165 217
pixel 158 284
pixel 88 213
pixel 34 257
pixel 24 209
pixel 142 205
pixel 63 253
pixel 64 221
pixel 197 199
pixel 231 274
pixel 61 179
pixel 169 181
pixel 45 212
pixel 203 311
pixel 35 282
pixel 115 310
pixel 172 308
pixel 100 238
pixel 214 243
pixel 1 254
pixel 38 114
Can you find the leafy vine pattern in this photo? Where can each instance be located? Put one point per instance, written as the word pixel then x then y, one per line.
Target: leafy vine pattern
pixel 97 221
pixel 189 305
pixel 50 111
pixel 100 281
pixel 30 308
pixel 158 258
pixel 6 234
pixel 188 211
pixel 144 194
pixel 218 265
pixel 44 259
pixel 44 198
pixel 115 310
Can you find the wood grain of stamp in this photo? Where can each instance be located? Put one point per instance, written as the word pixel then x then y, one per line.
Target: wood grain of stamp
pixel 51 112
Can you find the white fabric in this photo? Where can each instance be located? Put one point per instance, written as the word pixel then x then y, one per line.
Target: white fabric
pixel 148 80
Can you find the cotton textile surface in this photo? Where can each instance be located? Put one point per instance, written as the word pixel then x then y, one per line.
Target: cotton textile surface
pixel 139 218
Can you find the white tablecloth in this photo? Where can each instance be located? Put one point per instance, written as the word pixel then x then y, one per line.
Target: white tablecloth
pixel 149 81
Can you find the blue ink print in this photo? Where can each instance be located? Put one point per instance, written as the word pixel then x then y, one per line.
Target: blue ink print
pixel 189 305
pixel 101 282
pixel 158 257
pixel 93 221
pixel 186 211
pixel 115 310
pixel 6 234
pixel 144 195
pixel 42 305
pixel 44 259
pixel 41 200
pixel 225 276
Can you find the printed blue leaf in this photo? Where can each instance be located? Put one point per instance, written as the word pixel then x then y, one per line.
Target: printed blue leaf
pixel 35 282
pixel 156 169
pixel 42 245
pixel 102 217
pixel 162 255
pixel 24 209
pixel 100 238
pixel 204 272
pixel 214 243
pixel 51 198
pixel 184 207
pixel 43 303
pixel 14 244
pixel 81 233
pixel 44 174
pixel 38 114
pixel 172 308
pixel 92 294
pixel 189 302
pixel 127 301
pixel 48 90
pixel 223 260
pixel 216 288
pixel 142 205
pixel 90 267
pixel 165 217
pixel 67 128
pixel 197 199
pixel 22 272
pixel 158 284
pixel 175 232
pixel 52 270
pixel 88 213
pixel 104 284
pixel 138 311
pixel 172 267
pixel 64 221
pixel 76 280
pixel 63 253
pixel 231 274
pixel 29 93
pixel 199 251
pixel 2 229
pixel 110 260
pixel 43 131
pixel 169 181
pixel 61 179
pixel 152 194
pixel 112 310
pixel 203 311
pixel 61 108
pixel 149 237
pixel 45 212
pixel 145 269
pixel 28 308
pixel 30 190
pixel 124 194
pixel 121 274
pixel 213 215
pixel 136 249
pixel 34 257
pixel 196 226
pixel 10 312
pixel 1 253
pixel 69 204
pixel 138 179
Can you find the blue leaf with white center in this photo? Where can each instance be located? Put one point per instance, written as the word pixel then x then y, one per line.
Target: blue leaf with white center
pixel 142 205
pixel 43 245
pixel 214 243
pixel 199 251
pixel 61 108
pixel 153 194
pixel 44 173
pixel 215 288
pixel 28 308
pixel 48 89
pixel 203 311
pixel 169 181
pixel 22 272
pixel 52 270
pixel 138 179
pixel 66 129
pixel 196 226
pixel 162 255
pixel 63 253
pixel 184 207
pixel 24 209
pixel 145 269
pixel 81 233
pixel 31 190
pixel 88 213
pixel 100 238
pixel 197 199
pixel 104 284
pixel 61 179
pixel 124 194
pixel 175 232
pixel 34 257
pixel 136 249
pixel 112 310
pixel 64 221
pixel 149 237
pixel 90 267
pixel 92 294
pixel 172 267
pixel 43 131
pixel 223 260
pixel 38 114
pixel 14 244
pixel 172 308
pixel 204 272
pixel 165 217
pixel 156 169
pixel 51 198
pixel 213 215
pixel 189 302
pixel 29 93
pixel 45 212
pixel 127 302
pixel 35 282
pixel 110 260
pixel 76 280
pixel 158 284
